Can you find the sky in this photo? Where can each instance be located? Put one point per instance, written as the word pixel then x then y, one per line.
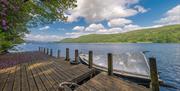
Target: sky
pixel 108 17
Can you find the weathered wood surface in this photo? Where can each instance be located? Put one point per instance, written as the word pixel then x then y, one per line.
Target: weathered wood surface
pixel 40 75
pixel 104 82
pixel 40 72
pixel 11 59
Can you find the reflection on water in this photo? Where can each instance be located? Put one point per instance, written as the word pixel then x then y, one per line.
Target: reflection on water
pixel 167 55
pixel 131 62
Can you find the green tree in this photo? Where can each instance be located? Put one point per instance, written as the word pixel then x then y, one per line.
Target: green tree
pixel 17 15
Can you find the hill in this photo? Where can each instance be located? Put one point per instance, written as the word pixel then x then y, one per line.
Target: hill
pixel 166 34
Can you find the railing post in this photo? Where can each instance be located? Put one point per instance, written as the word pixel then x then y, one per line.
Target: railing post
pixel 39 49
pixel 44 50
pixel 67 54
pixel 47 52
pixel 58 53
pixel 90 59
pixel 76 55
pixel 110 64
pixel 154 75
pixel 51 52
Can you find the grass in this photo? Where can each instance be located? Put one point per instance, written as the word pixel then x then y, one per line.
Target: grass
pixel 166 34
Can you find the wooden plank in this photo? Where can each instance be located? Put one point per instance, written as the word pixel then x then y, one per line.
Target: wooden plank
pixel 31 79
pixel 17 80
pixel 4 77
pixel 10 81
pixel 61 71
pixel 67 67
pixel 109 83
pixel 91 87
pixel 76 72
pixel 43 74
pixel 24 78
pixel 82 68
pixel 83 76
pixel 53 74
pixel 38 81
pixel 114 83
pixel 56 76
pixel 49 75
pixel 4 73
pixel 44 80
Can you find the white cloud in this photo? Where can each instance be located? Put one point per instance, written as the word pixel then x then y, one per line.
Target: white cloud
pixel 98 10
pixel 118 22
pixel 44 28
pixel 100 29
pixel 44 38
pixel 140 9
pixel 171 17
pixel 110 31
pixel 79 28
pixel 123 29
pixel 76 34
pixel 131 27
pixel 94 27
pixel 154 26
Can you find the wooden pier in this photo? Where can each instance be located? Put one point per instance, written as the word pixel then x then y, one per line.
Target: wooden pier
pixel 104 82
pixel 46 73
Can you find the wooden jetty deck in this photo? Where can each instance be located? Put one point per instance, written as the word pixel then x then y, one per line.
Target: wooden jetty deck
pixel 46 73
pixel 41 75
pixel 104 82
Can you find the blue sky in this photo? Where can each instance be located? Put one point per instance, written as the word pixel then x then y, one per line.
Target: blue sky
pixel 109 16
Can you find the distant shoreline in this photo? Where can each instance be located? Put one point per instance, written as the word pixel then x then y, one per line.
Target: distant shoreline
pixel 165 34
pixel 114 43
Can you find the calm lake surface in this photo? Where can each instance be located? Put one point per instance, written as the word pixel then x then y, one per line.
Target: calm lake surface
pixel 167 55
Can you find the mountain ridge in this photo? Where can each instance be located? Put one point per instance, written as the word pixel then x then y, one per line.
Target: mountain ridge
pixel 165 34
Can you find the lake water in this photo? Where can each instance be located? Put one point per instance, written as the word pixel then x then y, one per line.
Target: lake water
pixel 167 55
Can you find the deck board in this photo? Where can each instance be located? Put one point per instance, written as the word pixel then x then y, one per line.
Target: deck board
pixel 31 80
pixel 17 80
pixel 10 81
pixel 37 77
pixel 44 80
pixel 47 73
pixel 4 75
pixel 24 78
pixel 44 73
pixel 103 82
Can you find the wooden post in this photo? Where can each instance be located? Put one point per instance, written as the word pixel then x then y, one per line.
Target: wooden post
pixel 90 59
pixel 51 52
pixel 110 64
pixel 39 49
pixel 58 53
pixel 76 56
pixel 44 50
pixel 47 52
pixel 67 54
pixel 154 75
